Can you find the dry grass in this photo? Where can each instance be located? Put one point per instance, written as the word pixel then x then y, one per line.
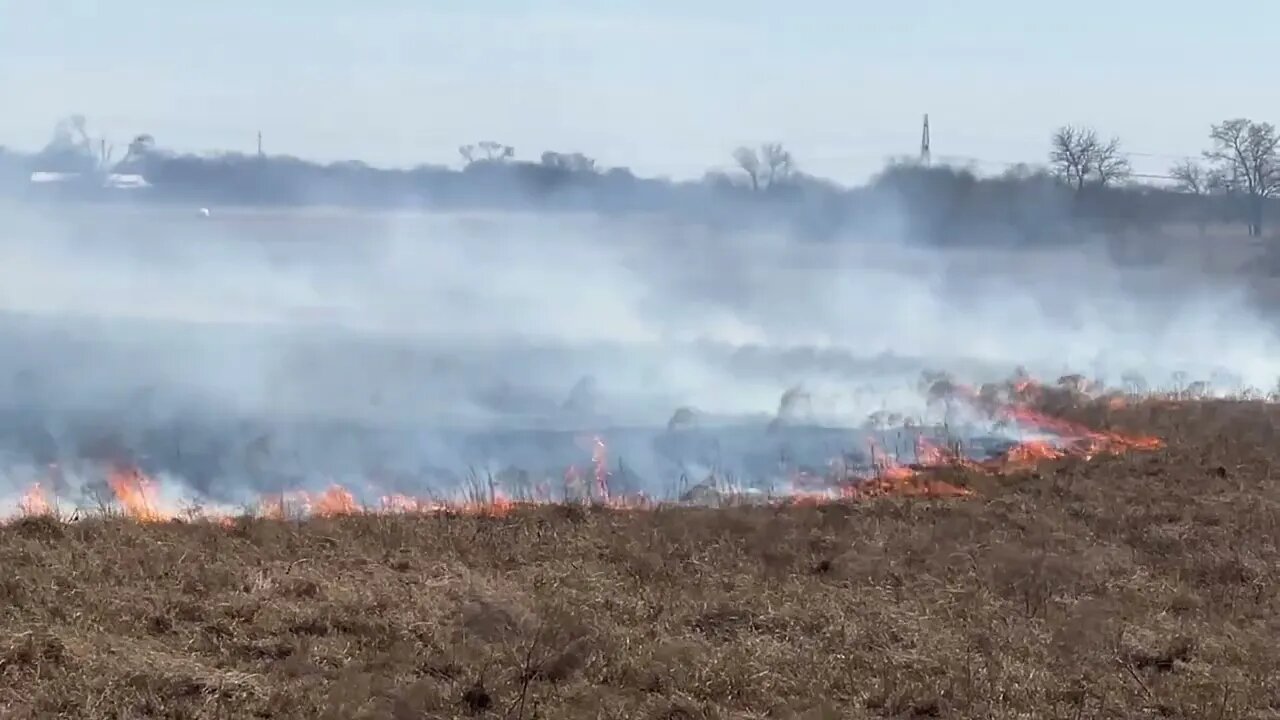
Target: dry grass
pixel 1139 586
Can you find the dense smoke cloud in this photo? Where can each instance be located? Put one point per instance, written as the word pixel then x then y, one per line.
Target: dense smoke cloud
pixel 263 349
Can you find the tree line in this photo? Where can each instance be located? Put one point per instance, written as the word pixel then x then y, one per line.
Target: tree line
pixel 1241 166
pixel 1086 183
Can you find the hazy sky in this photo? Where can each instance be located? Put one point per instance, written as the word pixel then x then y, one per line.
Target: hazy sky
pixel 665 87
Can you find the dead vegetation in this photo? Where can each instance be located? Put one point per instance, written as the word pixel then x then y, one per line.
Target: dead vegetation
pixel 1143 585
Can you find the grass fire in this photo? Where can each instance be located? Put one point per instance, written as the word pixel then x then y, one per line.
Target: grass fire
pixel 1001 430
pixel 1118 561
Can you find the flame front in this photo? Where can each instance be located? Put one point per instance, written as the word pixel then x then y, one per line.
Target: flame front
pixel 35 501
pixel 935 470
pixel 1027 454
pixel 136 494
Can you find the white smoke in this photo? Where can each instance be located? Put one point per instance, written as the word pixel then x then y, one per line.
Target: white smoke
pixel 141 318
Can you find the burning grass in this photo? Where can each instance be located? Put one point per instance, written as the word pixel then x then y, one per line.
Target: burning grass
pixel 1096 585
pixel 938 468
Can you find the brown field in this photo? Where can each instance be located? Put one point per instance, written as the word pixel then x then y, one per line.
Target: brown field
pixel 1143 585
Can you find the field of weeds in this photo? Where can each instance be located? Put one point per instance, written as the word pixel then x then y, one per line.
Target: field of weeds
pixel 1142 585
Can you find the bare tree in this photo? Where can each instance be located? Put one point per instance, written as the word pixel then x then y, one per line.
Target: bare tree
pixel 1070 153
pixel 1109 163
pixel 778 163
pixel 1247 152
pixel 749 161
pixel 486 151
pixel 1190 177
pixel 770 166
pixel 1079 156
pixel 1193 178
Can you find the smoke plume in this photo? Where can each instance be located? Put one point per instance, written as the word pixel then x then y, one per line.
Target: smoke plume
pixel 245 351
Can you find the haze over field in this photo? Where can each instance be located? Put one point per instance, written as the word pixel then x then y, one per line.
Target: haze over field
pixel 337 315
pixel 644 305
pixel 184 341
pixel 646 359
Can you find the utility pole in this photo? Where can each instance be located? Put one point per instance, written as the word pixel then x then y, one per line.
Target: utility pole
pixel 924 141
pixel 259 143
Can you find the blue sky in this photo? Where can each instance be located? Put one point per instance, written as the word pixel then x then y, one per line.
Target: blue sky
pixel 661 86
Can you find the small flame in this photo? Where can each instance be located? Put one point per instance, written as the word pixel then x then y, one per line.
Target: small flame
pixel 1030 453
pixel 136 493
pixel 35 502
pixel 499 505
pixel 335 500
pixel 600 466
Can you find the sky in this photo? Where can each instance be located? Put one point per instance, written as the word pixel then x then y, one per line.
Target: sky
pixel 665 87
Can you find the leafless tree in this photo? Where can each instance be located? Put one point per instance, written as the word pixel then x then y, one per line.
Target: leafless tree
pixel 486 151
pixel 769 166
pixel 1203 183
pixel 1190 177
pixel 1109 163
pixel 778 163
pixel 749 161
pixel 1079 156
pixel 1069 156
pixel 1247 152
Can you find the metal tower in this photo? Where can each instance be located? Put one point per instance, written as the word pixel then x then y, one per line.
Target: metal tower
pixel 924 141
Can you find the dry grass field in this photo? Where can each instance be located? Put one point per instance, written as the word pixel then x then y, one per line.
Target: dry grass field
pixel 1143 585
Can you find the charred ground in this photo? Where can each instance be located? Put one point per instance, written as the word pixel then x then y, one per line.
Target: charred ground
pixel 1130 586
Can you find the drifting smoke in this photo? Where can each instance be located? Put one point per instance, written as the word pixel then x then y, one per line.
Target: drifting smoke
pixel 238 352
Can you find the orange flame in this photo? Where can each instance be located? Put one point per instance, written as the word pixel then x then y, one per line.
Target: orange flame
pixel 890 475
pixel 927 453
pixel 136 494
pixel 893 478
pixel 499 505
pixel 335 500
pixel 35 502
pixel 1029 453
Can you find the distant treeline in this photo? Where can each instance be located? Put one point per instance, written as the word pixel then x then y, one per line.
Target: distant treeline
pixel 936 204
